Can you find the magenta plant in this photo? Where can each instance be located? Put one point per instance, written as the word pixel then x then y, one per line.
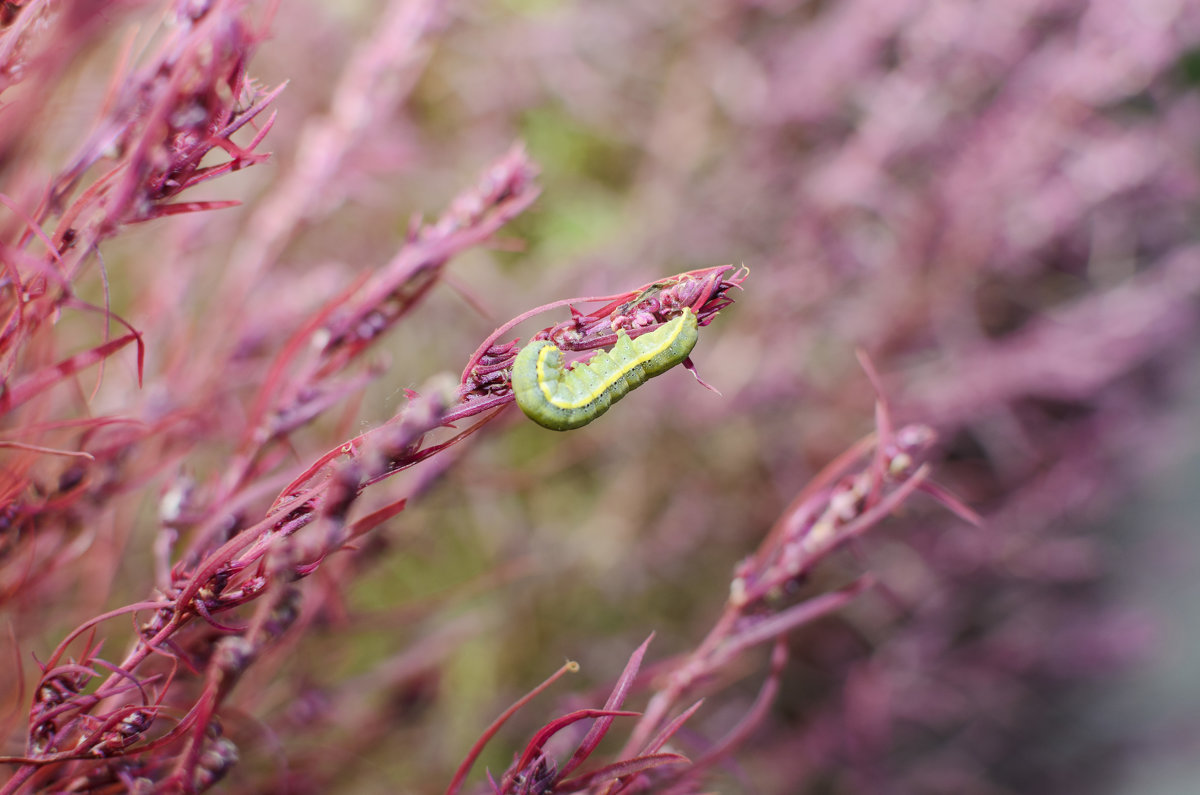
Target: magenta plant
pixel 847 499
pixel 220 562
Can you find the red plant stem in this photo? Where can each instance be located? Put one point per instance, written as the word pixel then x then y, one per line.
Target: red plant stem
pixel 460 775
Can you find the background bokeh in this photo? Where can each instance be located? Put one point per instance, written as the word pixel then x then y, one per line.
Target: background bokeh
pixel 996 200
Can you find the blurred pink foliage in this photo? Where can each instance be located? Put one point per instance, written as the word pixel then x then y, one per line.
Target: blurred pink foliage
pixel 995 200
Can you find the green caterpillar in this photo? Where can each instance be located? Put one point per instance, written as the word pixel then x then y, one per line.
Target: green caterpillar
pixel 562 400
